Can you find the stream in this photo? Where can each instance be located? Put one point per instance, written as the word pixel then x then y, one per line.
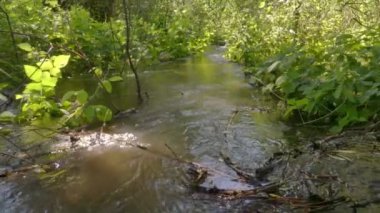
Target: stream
pixel 199 106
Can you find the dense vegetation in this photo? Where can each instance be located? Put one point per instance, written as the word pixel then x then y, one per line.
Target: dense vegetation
pixel 321 58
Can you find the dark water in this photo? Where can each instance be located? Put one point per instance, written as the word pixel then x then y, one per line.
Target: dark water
pixel 191 108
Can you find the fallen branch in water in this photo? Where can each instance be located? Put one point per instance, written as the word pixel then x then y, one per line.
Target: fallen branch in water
pixel 234 114
pixel 247 177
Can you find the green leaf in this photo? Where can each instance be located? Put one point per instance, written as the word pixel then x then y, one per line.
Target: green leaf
pixel 82 96
pixel 298 103
pixel 338 91
pixel 3 85
pixel 3 97
pixel 33 87
pixel 103 113
pixel 55 72
pixel 98 72
pixel 90 113
pixel 262 4
pixel 115 78
pixel 281 80
pixel 67 96
pixel 26 47
pixel 45 65
pixel 47 80
pixel 274 65
pixel 18 97
pixel 61 61
pixel 52 3
pixel 33 73
pixel 7 116
pixel 289 111
pixel 107 86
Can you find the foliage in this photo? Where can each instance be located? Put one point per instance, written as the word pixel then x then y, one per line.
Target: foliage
pixel 38 93
pixel 321 56
pixel 38 97
pixel 340 83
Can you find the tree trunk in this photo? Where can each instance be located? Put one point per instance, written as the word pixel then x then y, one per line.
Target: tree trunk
pixel 127 19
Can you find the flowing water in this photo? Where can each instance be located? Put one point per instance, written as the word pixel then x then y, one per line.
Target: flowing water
pixel 192 108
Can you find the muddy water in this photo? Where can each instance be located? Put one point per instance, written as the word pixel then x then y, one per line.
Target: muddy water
pixel 192 108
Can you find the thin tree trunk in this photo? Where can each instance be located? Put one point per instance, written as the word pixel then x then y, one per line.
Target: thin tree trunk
pixel 127 19
pixel 10 31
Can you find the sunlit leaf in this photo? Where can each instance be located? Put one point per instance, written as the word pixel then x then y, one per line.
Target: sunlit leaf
pixel 18 97
pixel 262 4
pixel 61 61
pixel 33 87
pixel 47 80
pixel 33 73
pixel 45 65
pixel 273 66
pixel 52 3
pixel 280 80
pixel 26 47
pixel 55 72
pixel 98 72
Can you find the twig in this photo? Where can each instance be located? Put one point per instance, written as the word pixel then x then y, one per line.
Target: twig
pixel 249 178
pixel 325 116
pixel 17 146
pixel 15 157
pixel 127 19
pixel 234 114
pixel 172 151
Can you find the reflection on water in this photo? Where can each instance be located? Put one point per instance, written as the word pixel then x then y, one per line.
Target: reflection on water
pixel 190 107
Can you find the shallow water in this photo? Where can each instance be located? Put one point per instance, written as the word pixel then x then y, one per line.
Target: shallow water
pixel 191 107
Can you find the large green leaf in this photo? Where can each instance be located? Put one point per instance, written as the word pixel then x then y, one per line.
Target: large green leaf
pixel 90 113
pixel 55 72
pixel 33 73
pixel 26 47
pixel 67 96
pixel 82 96
pixel 33 87
pixel 61 61
pixel 115 78
pixel 47 80
pixel 103 113
pixel 107 86
pixel 45 65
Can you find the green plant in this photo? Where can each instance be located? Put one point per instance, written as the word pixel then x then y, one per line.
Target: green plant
pixel 37 97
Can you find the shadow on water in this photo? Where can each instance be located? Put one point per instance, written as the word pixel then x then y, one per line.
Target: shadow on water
pixel 192 107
